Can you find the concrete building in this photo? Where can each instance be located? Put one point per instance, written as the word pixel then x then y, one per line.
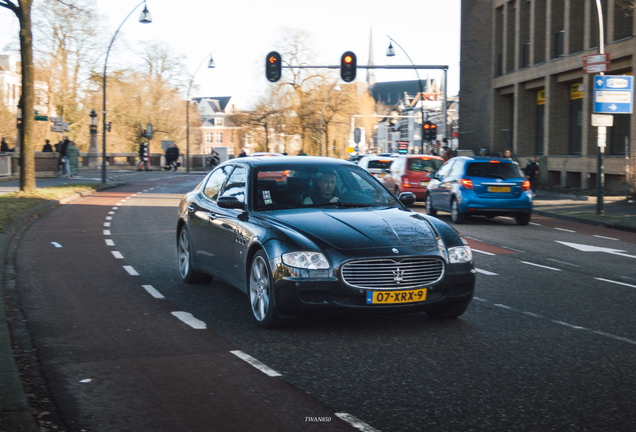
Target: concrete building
pixel 522 85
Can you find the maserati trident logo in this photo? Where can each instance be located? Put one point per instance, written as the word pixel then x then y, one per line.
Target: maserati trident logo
pixel 398 276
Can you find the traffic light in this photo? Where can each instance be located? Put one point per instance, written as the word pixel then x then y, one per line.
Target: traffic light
pixel 432 132
pixel 147 131
pixel 348 66
pixel 273 66
pixel 426 131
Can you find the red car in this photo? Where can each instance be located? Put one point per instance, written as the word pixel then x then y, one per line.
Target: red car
pixel 409 173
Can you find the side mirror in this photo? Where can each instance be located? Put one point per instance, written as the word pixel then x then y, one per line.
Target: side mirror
pixel 407 198
pixel 230 202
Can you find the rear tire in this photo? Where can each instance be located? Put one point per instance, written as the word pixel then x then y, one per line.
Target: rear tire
pixel 454 310
pixel 430 210
pixel 184 253
pixel 523 219
pixel 261 294
pixel 456 216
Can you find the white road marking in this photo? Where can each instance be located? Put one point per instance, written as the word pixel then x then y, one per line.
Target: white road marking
pixel 619 338
pixel 117 255
pixel 87 380
pixel 132 196
pixel 106 232
pixel 106 224
pixel 109 218
pixel 563 229
pixel 588 248
pixel 503 306
pixel 569 325
pixel 115 208
pixel 539 265
pixel 532 314
pixel 131 271
pixel 153 292
pixel 616 282
pixel 56 244
pixel 258 365
pixel 356 423
pixel 563 262
pixel 111 212
pixel 119 203
pixel 514 250
pixel 109 242
pixel 534 223
pixel 606 238
pixel 486 272
pixel 188 319
pixel 481 252
pixel 480 299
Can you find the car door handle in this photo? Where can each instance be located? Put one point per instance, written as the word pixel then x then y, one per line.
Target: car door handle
pixel 211 216
pixel 190 208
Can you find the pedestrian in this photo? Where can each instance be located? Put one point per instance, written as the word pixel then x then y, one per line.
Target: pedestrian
pixel 48 148
pixel 144 157
pixel 72 156
pixel 448 154
pixel 532 172
pixel 63 159
pixel 242 154
pixel 4 147
pixel 483 152
pixel 506 154
pixel 172 156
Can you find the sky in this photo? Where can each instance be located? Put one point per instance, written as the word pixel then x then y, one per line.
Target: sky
pixel 240 33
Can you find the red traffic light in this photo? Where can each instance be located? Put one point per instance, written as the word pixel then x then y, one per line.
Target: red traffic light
pixel 426 125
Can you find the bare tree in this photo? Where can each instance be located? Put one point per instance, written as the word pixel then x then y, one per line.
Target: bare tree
pixel 162 63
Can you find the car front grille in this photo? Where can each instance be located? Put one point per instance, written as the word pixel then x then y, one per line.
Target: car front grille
pixel 390 274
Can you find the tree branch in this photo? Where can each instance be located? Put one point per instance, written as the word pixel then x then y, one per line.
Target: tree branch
pixel 9 5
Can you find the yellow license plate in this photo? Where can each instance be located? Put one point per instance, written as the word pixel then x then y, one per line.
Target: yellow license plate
pixel 389 297
pixel 423 183
pixel 499 189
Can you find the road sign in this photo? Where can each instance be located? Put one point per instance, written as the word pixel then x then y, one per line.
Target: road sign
pixel 41 118
pixel 613 94
pixel 57 119
pixel 602 120
pixel 57 129
pixel 596 63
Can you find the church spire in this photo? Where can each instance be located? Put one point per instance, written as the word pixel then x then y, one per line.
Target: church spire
pixel 371 72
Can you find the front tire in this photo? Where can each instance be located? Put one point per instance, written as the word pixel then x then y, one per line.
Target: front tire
pixel 184 254
pixel 430 210
pixel 457 216
pixel 261 294
pixel 523 218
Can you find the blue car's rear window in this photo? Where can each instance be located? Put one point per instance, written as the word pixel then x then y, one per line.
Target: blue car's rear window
pixel 493 170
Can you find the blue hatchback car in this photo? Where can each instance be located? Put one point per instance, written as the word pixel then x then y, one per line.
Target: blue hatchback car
pixel 479 185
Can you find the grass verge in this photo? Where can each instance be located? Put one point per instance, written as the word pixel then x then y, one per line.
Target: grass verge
pixel 14 204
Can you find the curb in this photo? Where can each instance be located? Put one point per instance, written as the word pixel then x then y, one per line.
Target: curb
pixel 15 411
pixel 585 221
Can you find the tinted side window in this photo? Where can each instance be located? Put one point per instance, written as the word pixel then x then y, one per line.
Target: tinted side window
pixel 215 182
pixel 235 186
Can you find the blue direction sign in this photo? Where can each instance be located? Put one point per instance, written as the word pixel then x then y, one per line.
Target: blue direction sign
pixel 613 94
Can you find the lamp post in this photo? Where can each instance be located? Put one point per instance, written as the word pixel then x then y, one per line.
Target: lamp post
pixel 211 65
pixel 390 52
pixel 144 18
pixel 335 87
pixel 92 148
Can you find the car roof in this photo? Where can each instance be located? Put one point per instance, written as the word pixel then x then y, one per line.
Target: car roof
pixel 263 161
pixel 482 159
pixel 411 156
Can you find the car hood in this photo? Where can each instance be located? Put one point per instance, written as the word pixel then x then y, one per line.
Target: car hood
pixel 362 229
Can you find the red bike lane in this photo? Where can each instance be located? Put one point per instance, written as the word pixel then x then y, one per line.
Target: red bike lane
pixel 116 359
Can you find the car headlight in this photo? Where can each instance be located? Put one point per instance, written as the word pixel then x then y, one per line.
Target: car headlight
pixel 460 254
pixel 305 260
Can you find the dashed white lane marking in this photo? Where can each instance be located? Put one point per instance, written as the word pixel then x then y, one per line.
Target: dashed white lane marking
pixel 106 232
pixel 117 254
pixel 575 327
pixel 188 319
pixel 109 242
pixel 132 196
pixel 109 218
pixel 539 265
pixel 356 423
pixel 258 365
pixel 106 224
pixel 563 262
pixel 606 238
pixel 119 203
pixel 153 292
pixel 111 212
pixel 616 282
pixel 56 244
pixel 486 272
pixel 503 306
pixel 131 271
pixel 514 250
pixel 115 208
pixel 532 314
pixel 482 252
pixel 566 230
pixel 534 223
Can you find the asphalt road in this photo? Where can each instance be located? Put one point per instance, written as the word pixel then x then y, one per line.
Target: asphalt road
pixel 548 344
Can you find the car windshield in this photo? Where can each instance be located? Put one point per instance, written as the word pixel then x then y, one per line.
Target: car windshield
pixel 424 164
pixel 493 170
pixel 291 185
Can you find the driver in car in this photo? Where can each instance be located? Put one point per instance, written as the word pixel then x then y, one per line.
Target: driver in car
pixel 326 192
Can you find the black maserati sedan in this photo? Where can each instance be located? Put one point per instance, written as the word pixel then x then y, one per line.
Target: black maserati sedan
pixel 307 234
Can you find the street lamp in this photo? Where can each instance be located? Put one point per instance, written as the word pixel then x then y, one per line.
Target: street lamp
pixel 390 52
pixel 211 65
pixel 334 87
pixel 144 18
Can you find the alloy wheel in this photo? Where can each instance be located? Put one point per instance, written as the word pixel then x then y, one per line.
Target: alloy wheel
pixel 184 253
pixel 259 288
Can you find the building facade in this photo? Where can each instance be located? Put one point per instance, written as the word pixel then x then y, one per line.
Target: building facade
pixel 523 87
pixel 216 128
